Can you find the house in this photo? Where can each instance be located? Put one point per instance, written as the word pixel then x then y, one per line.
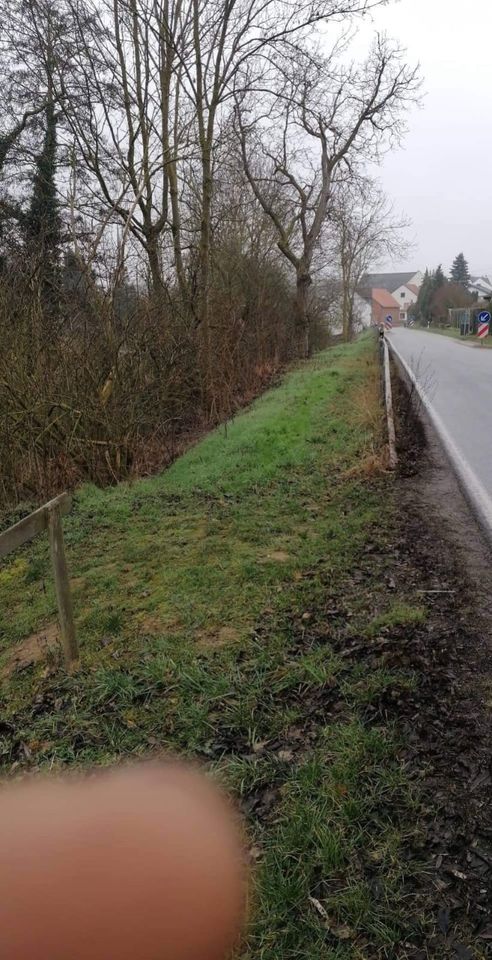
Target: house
pixel 328 292
pixel 406 296
pixel 402 287
pixel 362 310
pixel 378 296
pixel 384 305
pixel 392 281
pixel 480 286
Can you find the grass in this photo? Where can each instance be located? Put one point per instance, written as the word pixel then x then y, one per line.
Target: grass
pixel 398 614
pixel 198 548
pixel 452 332
pixel 212 604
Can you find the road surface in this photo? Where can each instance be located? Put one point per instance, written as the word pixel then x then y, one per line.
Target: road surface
pixel 457 380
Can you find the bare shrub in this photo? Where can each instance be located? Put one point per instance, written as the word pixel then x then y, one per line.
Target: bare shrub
pixel 101 392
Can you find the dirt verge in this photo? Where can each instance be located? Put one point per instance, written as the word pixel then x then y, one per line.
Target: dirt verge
pixel 449 721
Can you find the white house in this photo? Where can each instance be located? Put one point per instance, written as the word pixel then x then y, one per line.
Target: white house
pixel 392 281
pixel 481 286
pixel 405 296
pixel 403 288
pixel 362 311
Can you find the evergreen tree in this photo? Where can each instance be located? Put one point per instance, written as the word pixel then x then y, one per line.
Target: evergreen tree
pixel 42 221
pixel 422 307
pixel 439 278
pixel 433 281
pixel 460 272
pixel 38 51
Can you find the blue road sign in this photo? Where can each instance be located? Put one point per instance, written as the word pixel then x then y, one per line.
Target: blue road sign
pixel 484 316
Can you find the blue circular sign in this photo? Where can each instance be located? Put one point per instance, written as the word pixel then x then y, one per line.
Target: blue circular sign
pixel 484 316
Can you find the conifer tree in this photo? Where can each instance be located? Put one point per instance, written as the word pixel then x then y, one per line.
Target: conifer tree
pixel 460 272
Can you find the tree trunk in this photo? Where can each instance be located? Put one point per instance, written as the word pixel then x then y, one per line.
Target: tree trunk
pixel 176 229
pixel 157 283
pixel 205 130
pixel 346 314
pixel 170 152
pixel 204 283
pixel 302 312
pixel 348 287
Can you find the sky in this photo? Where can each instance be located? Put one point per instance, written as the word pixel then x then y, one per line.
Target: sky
pixel 442 177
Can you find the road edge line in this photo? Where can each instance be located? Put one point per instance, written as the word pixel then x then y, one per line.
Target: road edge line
pixel 472 487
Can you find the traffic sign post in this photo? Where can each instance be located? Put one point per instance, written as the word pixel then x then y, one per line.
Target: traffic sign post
pixel 483 325
pixel 389 322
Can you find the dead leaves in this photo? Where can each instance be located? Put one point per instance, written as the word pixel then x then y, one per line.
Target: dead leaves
pixel 339 930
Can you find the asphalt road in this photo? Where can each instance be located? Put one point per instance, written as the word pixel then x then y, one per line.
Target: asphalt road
pixel 457 380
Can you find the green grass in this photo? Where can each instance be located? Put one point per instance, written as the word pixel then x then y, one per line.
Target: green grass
pixel 199 547
pixel 203 600
pixel 399 614
pixel 452 332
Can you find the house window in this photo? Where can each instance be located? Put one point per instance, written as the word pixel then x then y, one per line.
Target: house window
pixel 402 295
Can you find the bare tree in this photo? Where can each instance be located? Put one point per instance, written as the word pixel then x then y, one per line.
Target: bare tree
pixel 365 229
pixel 334 118
pixel 154 79
pixel 117 103
pixel 198 151
pixel 232 41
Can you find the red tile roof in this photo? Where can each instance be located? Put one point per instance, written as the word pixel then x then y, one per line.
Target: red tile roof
pixel 384 299
pixel 413 288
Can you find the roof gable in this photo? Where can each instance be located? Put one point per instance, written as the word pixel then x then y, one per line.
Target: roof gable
pixel 387 281
pixel 480 283
pixel 384 299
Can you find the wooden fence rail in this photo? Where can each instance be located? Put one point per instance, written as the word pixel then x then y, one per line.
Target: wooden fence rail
pixel 49 517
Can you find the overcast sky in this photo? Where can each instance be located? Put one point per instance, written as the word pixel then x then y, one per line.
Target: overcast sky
pixel 442 178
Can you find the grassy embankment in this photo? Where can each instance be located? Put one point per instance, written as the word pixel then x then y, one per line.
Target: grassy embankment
pixel 213 603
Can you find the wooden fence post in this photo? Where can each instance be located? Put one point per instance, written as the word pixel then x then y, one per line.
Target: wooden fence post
pixel 62 586
pixel 388 394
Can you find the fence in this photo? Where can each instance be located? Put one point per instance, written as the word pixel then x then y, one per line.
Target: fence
pixel 49 517
pixel 461 319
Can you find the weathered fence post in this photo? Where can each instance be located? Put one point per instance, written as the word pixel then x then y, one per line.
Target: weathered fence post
pixel 49 517
pixel 388 394
pixel 62 586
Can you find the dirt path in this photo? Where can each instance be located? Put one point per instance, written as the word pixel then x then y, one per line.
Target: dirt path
pixel 450 721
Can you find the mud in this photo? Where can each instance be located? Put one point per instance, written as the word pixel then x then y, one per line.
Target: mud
pixel 449 722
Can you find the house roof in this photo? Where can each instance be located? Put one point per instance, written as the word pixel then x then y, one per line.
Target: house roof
pixel 481 288
pixel 387 281
pixel 481 280
pixel 384 299
pixel 413 288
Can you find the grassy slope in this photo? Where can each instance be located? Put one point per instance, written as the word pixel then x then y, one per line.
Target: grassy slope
pixel 206 599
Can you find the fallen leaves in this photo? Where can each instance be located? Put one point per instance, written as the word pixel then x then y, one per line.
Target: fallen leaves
pixel 339 930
